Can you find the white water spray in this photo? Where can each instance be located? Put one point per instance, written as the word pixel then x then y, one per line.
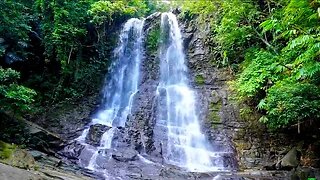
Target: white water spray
pixel 186 144
pixel 118 92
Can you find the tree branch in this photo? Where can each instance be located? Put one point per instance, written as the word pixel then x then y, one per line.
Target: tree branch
pixel 264 40
pixel 70 53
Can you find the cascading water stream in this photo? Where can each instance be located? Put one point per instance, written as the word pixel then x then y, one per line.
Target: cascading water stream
pixel 123 85
pixel 187 146
pixel 118 92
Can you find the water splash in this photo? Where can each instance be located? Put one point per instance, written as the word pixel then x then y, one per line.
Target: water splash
pixel 186 144
pixel 82 137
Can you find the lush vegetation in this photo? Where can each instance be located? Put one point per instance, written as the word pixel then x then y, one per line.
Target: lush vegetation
pixel 52 50
pixel 153 39
pixel 273 47
pixel 6 150
pixel 14 97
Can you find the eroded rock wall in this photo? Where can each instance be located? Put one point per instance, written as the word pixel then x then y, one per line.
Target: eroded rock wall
pixel 218 115
pixel 221 116
pixel 249 143
pixel 139 127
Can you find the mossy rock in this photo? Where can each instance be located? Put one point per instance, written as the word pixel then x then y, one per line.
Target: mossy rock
pixel 153 39
pixel 6 150
pixel 199 79
pixel 14 156
pixel 214 117
pixel 242 145
pixel 215 106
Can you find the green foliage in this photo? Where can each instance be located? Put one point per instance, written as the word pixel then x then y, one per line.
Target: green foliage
pixel 18 28
pixel 276 45
pixel 6 150
pixel 155 6
pixel 257 75
pixel 106 11
pixel 153 39
pixel 67 43
pixel 58 41
pixel 63 47
pixel 15 26
pixel 63 25
pixel 140 7
pixel 199 79
pixel 198 8
pixel 230 22
pixel 286 85
pixel 290 103
pixel 15 98
pixel 236 23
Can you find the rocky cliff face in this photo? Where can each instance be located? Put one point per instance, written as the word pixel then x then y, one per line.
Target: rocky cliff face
pixel 222 120
pixel 218 114
pixel 140 124
pixel 250 145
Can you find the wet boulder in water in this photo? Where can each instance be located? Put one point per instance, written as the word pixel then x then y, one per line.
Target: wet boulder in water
pixel 95 133
pixel 73 150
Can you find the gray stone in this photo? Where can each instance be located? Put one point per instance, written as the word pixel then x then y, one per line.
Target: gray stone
pixel 215 97
pixel 13 173
pixel 95 133
pixel 290 160
pixel 125 155
pixel 37 154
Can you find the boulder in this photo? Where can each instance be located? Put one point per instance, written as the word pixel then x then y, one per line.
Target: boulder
pixel 72 150
pixel 125 155
pixel 175 173
pixel 95 133
pixel 14 156
pixel 13 173
pixel 290 160
pixel 22 131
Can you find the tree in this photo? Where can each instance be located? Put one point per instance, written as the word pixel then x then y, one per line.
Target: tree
pixel 14 97
pixel 276 45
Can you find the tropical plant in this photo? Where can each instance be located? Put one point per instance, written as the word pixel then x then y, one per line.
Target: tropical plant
pixel 14 98
pixel 276 45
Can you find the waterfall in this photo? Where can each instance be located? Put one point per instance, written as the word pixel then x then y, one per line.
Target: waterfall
pixel 118 92
pixel 123 84
pixel 186 145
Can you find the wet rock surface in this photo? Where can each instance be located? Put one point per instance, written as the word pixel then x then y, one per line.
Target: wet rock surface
pixel 72 151
pixel 69 119
pixel 32 164
pixel 141 124
pixel 215 110
pixel 129 143
pixel 125 155
pixel 95 133
pixel 138 148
